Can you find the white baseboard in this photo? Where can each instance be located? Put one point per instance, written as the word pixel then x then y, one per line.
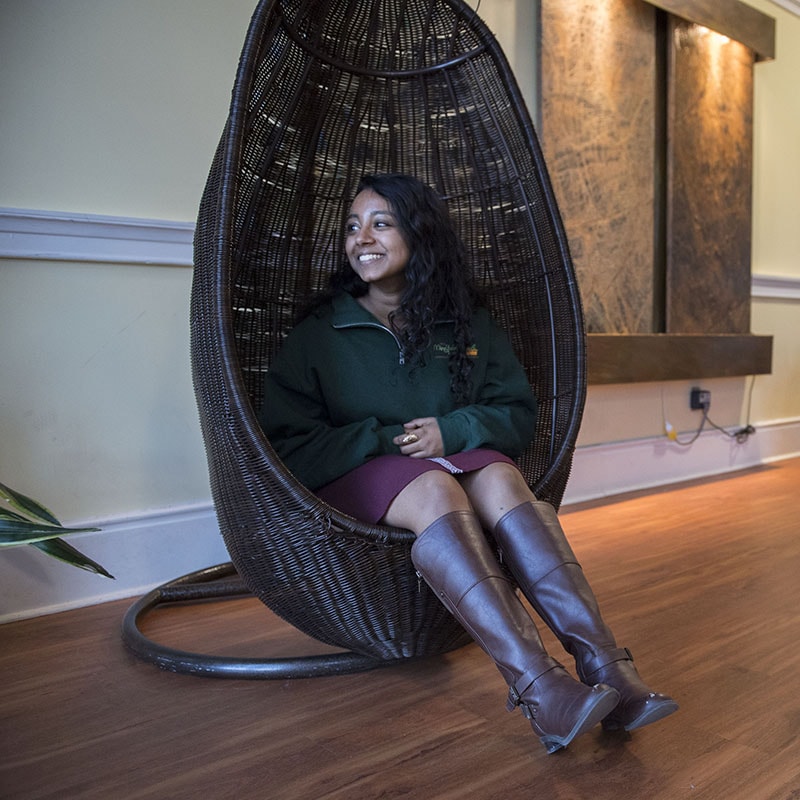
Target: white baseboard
pixel 150 549
pixel 608 469
pixel 141 553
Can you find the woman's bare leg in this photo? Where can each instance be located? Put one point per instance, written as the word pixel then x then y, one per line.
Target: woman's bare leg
pixel 494 490
pixel 425 499
pixel 489 492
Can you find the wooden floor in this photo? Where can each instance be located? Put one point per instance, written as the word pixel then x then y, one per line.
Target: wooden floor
pixel 702 582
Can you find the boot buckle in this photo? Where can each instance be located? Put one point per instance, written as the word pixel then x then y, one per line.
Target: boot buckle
pixel 513 699
pixel 525 681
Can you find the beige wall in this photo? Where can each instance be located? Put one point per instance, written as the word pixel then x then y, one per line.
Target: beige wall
pixel 776 232
pixel 115 108
pixel 111 108
pixel 776 219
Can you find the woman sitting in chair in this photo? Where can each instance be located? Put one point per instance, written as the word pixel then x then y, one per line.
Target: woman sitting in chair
pixel 398 401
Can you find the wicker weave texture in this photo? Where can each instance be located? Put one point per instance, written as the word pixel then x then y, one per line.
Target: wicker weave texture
pixel 327 91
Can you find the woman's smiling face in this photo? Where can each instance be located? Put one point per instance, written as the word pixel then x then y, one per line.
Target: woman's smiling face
pixel 374 244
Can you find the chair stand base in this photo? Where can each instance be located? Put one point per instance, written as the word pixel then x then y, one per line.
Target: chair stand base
pixel 208 584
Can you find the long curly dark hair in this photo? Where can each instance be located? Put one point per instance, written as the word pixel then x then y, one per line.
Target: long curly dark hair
pixel 439 284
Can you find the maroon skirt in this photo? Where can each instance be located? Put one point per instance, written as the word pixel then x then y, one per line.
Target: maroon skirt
pixel 367 491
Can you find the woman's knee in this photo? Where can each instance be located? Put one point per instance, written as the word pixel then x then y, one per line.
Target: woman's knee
pixel 498 478
pixel 496 489
pixel 425 499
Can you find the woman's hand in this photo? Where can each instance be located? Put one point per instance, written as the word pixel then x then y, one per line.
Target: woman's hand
pixel 421 439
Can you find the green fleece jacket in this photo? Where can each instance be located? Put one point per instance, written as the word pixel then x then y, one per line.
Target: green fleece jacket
pixel 339 391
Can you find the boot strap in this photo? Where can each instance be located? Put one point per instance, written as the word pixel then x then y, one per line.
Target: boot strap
pixel 522 684
pixel 604 658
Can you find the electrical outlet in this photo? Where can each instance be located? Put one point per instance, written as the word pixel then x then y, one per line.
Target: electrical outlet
pixel 700 398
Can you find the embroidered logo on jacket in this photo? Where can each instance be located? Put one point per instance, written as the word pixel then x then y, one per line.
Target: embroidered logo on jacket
pixel 445 350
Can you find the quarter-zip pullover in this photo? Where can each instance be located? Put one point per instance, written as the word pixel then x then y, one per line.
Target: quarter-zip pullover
pixel 340 390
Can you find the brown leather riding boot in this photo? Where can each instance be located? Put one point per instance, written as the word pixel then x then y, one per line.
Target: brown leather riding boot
pixel 540 558
pixel 454 558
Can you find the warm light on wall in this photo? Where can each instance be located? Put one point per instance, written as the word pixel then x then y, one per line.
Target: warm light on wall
pixel 719 37
pixel 715 47
pixel 691 35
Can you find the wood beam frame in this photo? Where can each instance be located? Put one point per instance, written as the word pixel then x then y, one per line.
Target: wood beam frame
pixel 634 358
pixel 731 18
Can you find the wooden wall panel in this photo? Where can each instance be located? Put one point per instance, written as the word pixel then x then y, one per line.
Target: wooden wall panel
pixel 709 168
pixel 646 125
pixel 598 109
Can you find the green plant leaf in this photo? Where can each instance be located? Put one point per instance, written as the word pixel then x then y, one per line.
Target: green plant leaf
pixel 59 549
pixel 7 514
pixel 20 531
pixel 31 523
pixel 27 505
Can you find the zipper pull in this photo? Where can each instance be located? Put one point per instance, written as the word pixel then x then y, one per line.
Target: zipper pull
pixel 419 582
pixel 402 359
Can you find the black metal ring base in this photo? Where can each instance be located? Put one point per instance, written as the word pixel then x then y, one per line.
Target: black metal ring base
pixel 198 586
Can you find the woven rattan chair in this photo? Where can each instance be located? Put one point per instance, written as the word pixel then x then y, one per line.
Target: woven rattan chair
pixel 328 90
